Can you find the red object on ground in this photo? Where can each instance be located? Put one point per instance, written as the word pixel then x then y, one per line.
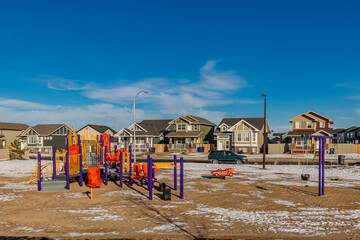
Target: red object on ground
pixel 116 158
pixel 223 173
pixel 137 170
pixel 94 179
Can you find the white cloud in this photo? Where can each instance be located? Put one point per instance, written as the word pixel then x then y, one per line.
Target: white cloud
pixel 63 84
pixel 284 128
pixel 24 105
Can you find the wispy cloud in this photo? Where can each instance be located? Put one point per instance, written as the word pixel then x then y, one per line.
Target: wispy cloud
pixel 348 84
pixel 355 97
pixel 22 105
pixel 284 128
pixel 63 84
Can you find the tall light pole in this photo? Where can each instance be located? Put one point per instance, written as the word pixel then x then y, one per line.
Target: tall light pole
pixel 134 143
pixel 264 146
pixel 116 122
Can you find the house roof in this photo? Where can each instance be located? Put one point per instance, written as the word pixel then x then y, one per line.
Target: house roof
pixel 311 114
pixel 338 130
pixel 256 122
pixel 138 133
pixel 13 126
pixel 1 136
pixel 194 120
pixel 155 127
pixel 329 131
pixel 278 134
pixel 350 129
pixel 99 128
pixel 185 134
pixel 47 129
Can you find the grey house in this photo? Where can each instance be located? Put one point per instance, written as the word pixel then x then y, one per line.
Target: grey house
pixel 42 137
pixel 241 135
pixel 352 135
pixel 340 133
pixel 148 133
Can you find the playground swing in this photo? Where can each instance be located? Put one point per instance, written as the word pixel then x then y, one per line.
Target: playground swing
pixel 304 175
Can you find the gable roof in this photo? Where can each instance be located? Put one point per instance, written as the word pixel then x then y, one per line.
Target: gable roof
pixel 99 128
pixel 13 126
pixel 338 130
pixel 350 129
pixel 47 129
pixel 313 115
pixel 256 122
pixel 155 127
pixel 194 120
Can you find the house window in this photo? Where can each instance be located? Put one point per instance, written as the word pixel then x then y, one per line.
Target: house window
pixel 189 127
pixel 302 141
pixel 322 124
pixel 254 137
pixel 223 128
pixel 181 140
pixel 181 127
pixel 227 144
pixel 243 137
pixel 308 124
pixel 297 124
pixel 195 127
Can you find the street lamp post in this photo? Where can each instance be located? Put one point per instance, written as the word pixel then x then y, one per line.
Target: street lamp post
pixel 264 146
pixel 134 143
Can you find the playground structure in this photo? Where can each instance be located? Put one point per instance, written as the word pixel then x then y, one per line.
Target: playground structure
pixel 87 151
pixel 321 190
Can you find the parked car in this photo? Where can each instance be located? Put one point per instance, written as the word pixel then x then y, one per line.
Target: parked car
pixel 223 173
pixel 226 156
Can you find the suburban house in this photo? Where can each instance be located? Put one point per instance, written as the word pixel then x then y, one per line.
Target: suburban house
pixel 97 130
pixel 309 123
pixel 42 137
pixel 190 133
pixel 10 132
pixel 147 133
pixel 339 132
pixel 241 135
pixel 352 135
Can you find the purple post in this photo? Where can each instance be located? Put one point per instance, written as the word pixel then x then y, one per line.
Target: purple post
pixel 81 165
pixel 320 153
pixel 323 166
pixel 181 178
pixel 54 163
pixel 130 160
pixel 121 169
pixel 115 148
pixel 67 172
pixel 150 173
pixel 175 174
pixel 106 167
pixel 39 172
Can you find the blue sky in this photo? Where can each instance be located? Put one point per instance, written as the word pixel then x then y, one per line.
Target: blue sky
pixel 76 62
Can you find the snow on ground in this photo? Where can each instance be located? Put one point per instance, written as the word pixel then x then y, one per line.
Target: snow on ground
pixel 95 214
pixel 309 221
pixel 8 197
pixel 73 234
pixel 19 168
pixel 353 156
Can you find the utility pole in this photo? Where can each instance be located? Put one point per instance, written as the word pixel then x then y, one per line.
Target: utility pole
pixel 265 136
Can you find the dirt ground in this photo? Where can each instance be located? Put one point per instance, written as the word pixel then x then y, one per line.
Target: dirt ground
pixel 242 207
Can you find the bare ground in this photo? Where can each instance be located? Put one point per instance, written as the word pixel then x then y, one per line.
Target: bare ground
pixel 238 207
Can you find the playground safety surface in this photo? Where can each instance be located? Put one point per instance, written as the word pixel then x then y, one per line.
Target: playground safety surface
pixel 250 205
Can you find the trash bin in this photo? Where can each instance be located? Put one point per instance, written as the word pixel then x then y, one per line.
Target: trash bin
pixel 199 149
pixel 341 159
pixel 332 150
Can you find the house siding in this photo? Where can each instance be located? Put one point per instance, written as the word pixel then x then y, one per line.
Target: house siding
pixel 10 136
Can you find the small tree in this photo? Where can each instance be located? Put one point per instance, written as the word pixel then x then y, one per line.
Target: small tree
pixel 15 151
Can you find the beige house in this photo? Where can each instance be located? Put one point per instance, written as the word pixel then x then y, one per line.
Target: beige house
pixel 10 132
pixel 241 135
pixel 309 123
pixel 190 133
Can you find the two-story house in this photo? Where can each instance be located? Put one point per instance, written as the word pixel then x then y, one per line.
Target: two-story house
pixel 190 133
pixel 147 133
pixel 352 135
pixel 10 132
pixel 241 135
pixel 42 137
pixel 309 123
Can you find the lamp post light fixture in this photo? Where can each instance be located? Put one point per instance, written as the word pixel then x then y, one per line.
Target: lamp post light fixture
pixel 264 146
pixel 134 143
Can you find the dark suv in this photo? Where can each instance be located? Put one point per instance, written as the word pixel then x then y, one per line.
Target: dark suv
pixel 226 156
